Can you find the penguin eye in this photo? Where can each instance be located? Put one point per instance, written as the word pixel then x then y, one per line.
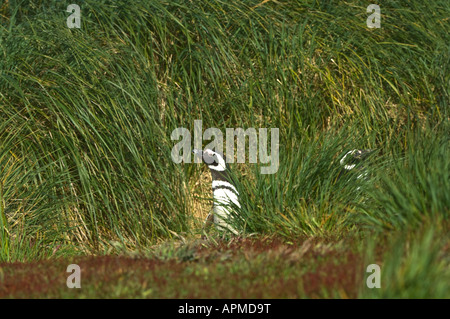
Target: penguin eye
pixel 209 152
pixel 210 158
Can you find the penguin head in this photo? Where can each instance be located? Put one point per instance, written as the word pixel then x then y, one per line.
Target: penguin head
pixel 356 156
pixel 214 160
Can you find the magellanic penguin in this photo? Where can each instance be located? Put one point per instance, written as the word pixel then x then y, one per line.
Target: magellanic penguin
pixel 353 160
pixel 225 195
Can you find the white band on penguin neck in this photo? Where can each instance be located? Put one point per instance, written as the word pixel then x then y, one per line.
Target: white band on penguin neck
pixel 223 184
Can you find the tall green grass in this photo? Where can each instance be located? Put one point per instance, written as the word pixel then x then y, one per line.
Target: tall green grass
pixel 86 116
pixel 412 265
pixel 413 187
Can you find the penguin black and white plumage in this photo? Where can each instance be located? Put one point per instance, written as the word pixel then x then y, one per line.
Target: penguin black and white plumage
pixel 225 194
pixel 353 160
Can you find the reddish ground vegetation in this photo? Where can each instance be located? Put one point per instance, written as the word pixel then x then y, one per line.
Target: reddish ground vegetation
pixel 240 268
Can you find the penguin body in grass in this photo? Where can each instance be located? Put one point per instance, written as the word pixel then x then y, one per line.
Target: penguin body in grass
pixel 225 194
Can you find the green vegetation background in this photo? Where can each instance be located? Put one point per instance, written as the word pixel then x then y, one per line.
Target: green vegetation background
pixel 86 116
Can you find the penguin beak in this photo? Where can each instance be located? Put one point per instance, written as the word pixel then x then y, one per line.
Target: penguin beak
pixel 205 157
pixel 197 152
